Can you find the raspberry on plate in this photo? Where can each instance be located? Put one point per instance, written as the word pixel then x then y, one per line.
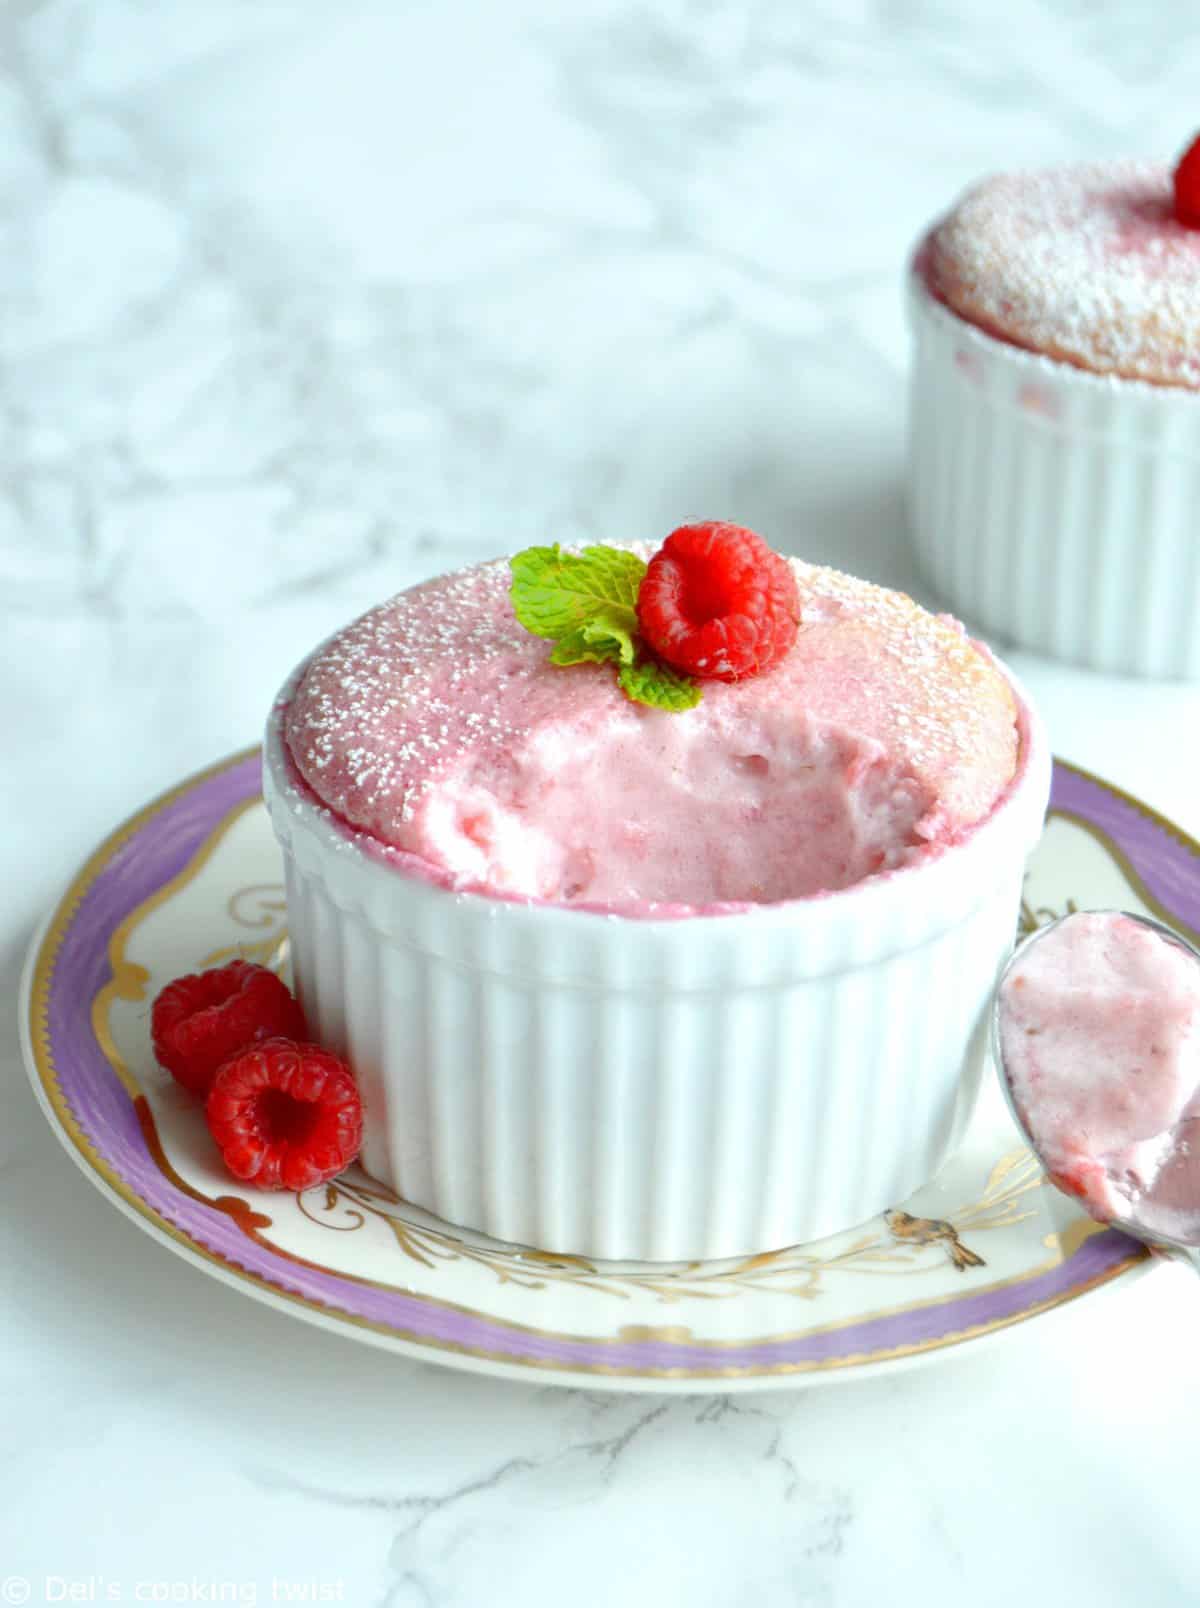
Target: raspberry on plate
pixel 198 1022
pixel 285 1115
pixel 718 603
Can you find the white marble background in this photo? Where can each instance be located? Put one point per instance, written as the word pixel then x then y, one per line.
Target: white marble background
pixel 300 302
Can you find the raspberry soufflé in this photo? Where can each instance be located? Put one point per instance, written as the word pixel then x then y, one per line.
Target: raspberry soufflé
pixel 625 880
pixel 445 733
pixel 1055 420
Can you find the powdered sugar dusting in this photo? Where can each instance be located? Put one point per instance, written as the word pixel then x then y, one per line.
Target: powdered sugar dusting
pixel 437 724
pixel 1085 264
pixel 412 690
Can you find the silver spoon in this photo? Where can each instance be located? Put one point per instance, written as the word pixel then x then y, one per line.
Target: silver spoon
pixel 1128 1224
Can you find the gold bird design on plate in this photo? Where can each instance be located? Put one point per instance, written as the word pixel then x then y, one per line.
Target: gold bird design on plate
pixel 932 1231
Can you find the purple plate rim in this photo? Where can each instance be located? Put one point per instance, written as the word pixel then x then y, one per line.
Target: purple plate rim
pixel 97 1116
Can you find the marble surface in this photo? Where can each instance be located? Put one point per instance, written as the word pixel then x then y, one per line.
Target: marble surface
pixel 302 302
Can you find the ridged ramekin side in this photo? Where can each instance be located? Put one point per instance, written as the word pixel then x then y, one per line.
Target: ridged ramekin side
pixel 1052 506
pixel 662 1124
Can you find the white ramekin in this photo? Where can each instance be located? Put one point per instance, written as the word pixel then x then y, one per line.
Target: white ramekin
pixel 655 1090
pixel 1055 508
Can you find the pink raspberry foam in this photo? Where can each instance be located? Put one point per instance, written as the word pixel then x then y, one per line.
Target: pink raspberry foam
pixel 1100 1033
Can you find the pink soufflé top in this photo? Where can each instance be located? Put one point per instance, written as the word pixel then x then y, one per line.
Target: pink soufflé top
pixel 436 726
pixel 1087 265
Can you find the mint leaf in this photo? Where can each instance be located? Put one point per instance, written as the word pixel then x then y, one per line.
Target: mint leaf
pixel 586 604
pixel 574 648
pixel 660 687
pixel 608 635
pixel 554 593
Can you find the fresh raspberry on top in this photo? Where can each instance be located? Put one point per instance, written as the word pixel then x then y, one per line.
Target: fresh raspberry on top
pixel 716 602
pixel 1187 186
pixel 198 1022
pixel 285 1115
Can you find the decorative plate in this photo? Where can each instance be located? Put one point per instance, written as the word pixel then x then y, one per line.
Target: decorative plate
pixel 195 878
